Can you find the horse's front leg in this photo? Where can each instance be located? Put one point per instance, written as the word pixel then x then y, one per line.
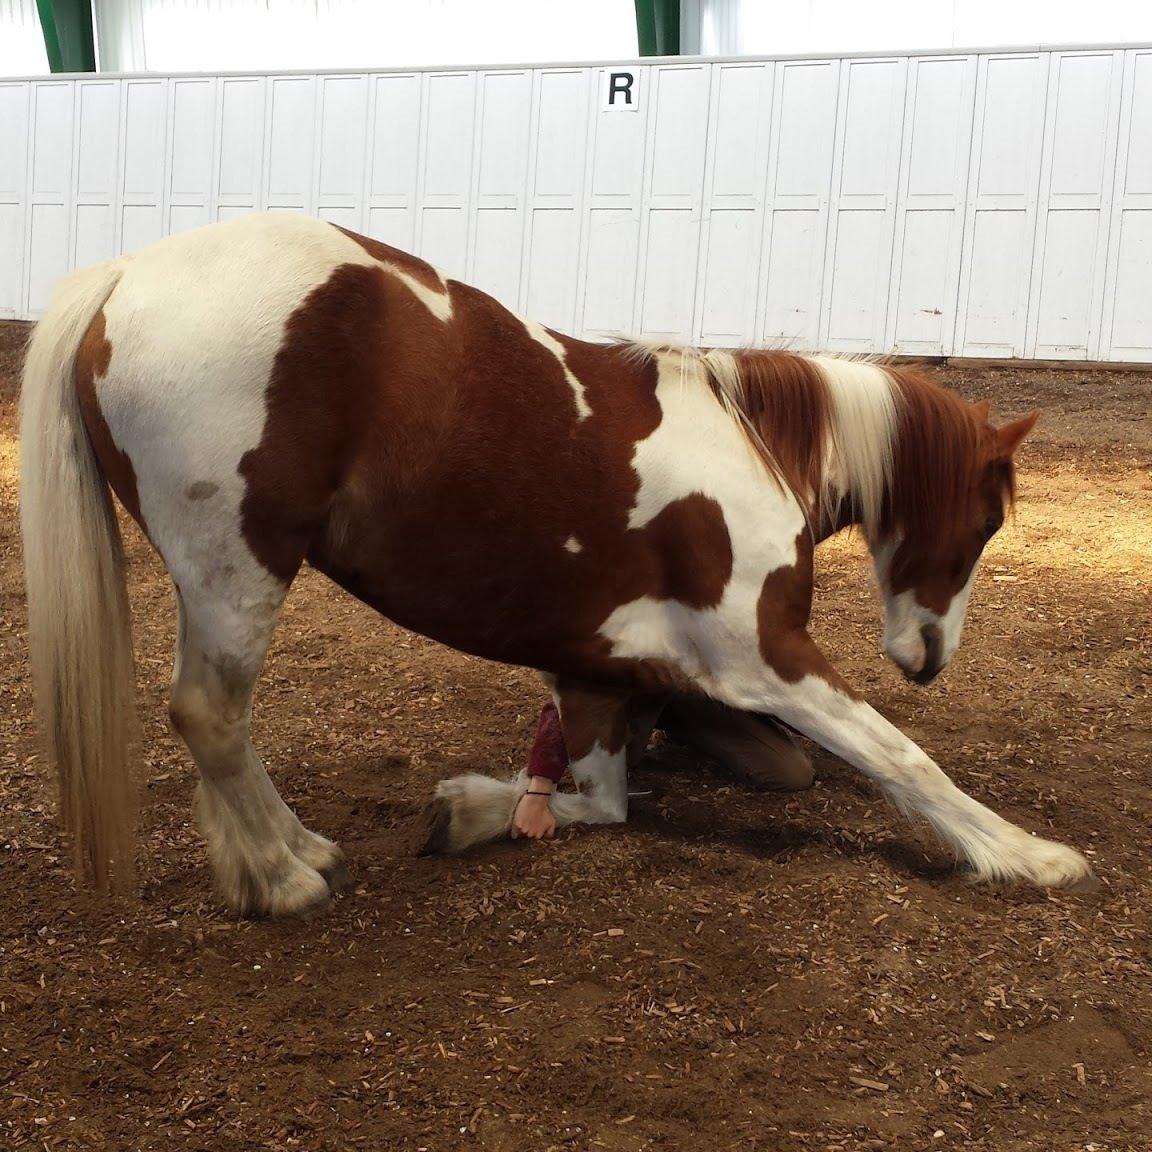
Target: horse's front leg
pixel 805 691
pixel 474 809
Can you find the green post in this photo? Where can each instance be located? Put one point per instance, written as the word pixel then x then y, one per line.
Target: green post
pixel 68 39
pixel 658 27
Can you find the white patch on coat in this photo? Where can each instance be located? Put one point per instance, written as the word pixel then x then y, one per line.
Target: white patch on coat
pixel 542 336
pixel 438 303
pixel 194 337
pixel 573 545
pixel 698 448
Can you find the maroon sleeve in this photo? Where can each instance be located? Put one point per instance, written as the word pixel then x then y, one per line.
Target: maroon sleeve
pixel 549 756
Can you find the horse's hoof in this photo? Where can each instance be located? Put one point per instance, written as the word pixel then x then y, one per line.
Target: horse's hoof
pixel 338 876
pixel 433 829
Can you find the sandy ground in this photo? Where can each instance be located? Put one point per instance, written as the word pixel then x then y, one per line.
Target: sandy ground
pixel 731 970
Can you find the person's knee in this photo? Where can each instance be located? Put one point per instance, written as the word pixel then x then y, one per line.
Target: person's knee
pixel 755 748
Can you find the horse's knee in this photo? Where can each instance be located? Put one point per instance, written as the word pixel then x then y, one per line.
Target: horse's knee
pixel 186 710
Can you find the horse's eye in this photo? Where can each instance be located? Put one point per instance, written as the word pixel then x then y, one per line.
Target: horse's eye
pixel 991 527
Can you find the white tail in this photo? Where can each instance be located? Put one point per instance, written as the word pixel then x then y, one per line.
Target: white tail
pixel 78 623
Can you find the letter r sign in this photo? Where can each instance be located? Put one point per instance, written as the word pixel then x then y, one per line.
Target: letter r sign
pixel 619 90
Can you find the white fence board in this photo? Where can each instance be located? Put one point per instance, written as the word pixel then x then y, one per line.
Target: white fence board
pixel 982 204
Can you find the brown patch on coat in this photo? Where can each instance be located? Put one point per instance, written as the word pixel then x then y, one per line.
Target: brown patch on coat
pixel 783 612
pixel 692 535
pixel 435 470
pixel 92 361
pixel 420 271
pixel 589 716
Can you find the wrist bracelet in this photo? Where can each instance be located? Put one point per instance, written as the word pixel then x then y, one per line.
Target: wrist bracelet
pixel 537 793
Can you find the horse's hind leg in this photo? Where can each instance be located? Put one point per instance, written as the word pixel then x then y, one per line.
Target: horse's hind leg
pixel 265 862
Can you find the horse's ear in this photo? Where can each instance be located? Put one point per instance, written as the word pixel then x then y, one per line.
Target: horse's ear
pixel 1009 438
pixel 983 409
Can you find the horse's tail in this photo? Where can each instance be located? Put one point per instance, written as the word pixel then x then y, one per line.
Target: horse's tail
pixel 79 630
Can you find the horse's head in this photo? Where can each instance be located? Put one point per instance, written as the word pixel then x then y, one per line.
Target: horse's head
pixel 951 489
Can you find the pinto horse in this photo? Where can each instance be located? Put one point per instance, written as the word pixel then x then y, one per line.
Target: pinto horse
pixel 631 521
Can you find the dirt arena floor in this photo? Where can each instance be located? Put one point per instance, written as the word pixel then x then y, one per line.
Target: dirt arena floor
pixel 731 970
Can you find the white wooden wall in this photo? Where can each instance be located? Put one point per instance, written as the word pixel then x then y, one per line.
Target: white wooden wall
pixel 993 204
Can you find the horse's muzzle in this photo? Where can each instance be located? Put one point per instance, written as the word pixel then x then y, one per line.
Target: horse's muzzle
pixel 933 651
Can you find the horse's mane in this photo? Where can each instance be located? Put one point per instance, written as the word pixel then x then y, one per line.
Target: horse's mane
pixel 907 450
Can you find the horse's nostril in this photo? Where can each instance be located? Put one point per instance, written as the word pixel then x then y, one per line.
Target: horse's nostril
pixel 933 649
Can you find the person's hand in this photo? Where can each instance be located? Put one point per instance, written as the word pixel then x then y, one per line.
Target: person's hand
pixel 533 817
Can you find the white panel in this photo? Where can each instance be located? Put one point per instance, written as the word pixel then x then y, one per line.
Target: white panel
pixel 181 217
pixel 52 138
pixel 99 138
pixel 1000 216
pixel 1132 316
pixel 671 235
pixel 681 118
pixel 741 99
pixel 392 225
pixel 1075 184
pixel 445 240
pixel 448 135
pixel 345 104
pixel 143 138
pixel 141 224
pixel 795 259
pixel 507 102
pixel 13 134
pixel 48 253
pixel 1127 317
pixel 862 248
pixel 1013 99
pixel 345 217
pixel 95 234
pixel 1065 306
pixel 396 138
pixel 799 190
pixel 939 127
pixel 1082 86
pixel 611 272
pixel 1002 243
pixel 560 135
pixel 858 266
pixel 871 136
pixel 290 140
pixel 193 116
pixel 241 121
pixel 551 289
pixel 670 274
pixel 11 266
pixel 496 262
pixel 927 285
pixel 232 211
pixel 806 121
pixel 927 244
pixel 729 289
pixel 731 234
pixel 1137 154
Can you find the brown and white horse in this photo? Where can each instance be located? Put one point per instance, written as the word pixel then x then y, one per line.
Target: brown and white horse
pixel 631 521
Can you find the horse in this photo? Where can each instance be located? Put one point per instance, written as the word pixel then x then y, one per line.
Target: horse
pixel 631 520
